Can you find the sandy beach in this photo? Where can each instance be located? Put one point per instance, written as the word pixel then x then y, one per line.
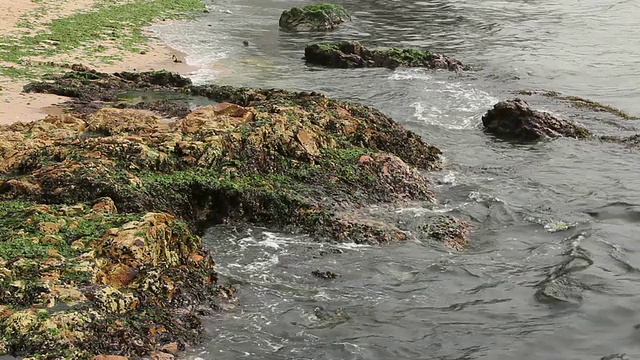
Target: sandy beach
pixel 18 106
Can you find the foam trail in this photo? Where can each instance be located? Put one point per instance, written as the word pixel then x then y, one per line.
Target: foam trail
pixel 453 105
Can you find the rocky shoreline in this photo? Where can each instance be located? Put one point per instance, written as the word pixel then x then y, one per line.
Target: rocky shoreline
pixel 142 182
pixel 101 207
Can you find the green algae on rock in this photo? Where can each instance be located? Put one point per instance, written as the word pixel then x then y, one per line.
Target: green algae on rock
pixel 285 161
pixel 350 54
pixel 450 231
pixel 77 280
pixel 323 16
pixel 295 161
pixel 271 157
pixel 89 85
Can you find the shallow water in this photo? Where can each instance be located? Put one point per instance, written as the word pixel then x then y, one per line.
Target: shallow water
pixel 553 272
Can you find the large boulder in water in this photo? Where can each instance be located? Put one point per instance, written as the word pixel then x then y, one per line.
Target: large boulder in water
pixel 514 119
pixel 350 54
pixel 324 16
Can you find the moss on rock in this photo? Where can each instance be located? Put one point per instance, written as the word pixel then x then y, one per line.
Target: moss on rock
pixel 322 16
pixel 450 231
pixel 266 156
pixel 71 290
pixel 350 54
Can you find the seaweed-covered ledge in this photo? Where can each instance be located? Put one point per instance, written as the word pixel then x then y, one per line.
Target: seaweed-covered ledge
pixel 351 54
pixel 299 161
pixel 293 161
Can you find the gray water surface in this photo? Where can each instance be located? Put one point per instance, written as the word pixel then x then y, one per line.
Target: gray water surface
pixel 553 272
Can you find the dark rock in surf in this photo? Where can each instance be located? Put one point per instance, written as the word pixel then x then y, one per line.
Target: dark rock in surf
pixel 324 16
pixel 351 54
pixel 326 275
pixel 514 119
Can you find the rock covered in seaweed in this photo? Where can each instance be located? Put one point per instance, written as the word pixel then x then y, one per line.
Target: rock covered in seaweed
pixel 350 54
pixel 77 280
pixel 450 231
pixel 88 84
pixel 271 157
pixel 514 119
pixel 116 276
pixel 323 16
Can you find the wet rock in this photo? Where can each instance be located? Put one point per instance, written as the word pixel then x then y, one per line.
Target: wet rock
pixel 632 141
pixel 104 205
pixel 616 356
pixel 324 252
pixel 133 273
pixel 326 275
pixel 450 231
pixel 278 158
pixel 579 102
pixel 514 119
pixel 350 54
pixel 171 348
pixel 560 290
pixel 90 85
pixel 160 355
pixel 324 317
pixel 323 16
pixel 562 285
pixel 122 271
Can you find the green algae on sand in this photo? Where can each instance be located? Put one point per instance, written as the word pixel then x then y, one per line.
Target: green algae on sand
pixel 121 24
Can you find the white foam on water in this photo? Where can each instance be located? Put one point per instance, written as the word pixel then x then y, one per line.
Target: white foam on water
pixel 448 103
pixel 480 198
pixel 410 74
pixel 259 266
pixel 421 211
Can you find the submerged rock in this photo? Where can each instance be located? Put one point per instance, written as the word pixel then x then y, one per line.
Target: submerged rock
pixel 450 231
pixel 326 275
pixel 350 54
pixel 514 119
pixel 323 16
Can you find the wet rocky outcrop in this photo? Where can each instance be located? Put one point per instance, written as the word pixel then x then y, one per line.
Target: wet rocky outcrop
pixel 271 157
pixel 514 119
pixel 89 85
pixel 452 232
pixel 102 204
pixel 81 280
pixel 323 16
pixel 351 54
